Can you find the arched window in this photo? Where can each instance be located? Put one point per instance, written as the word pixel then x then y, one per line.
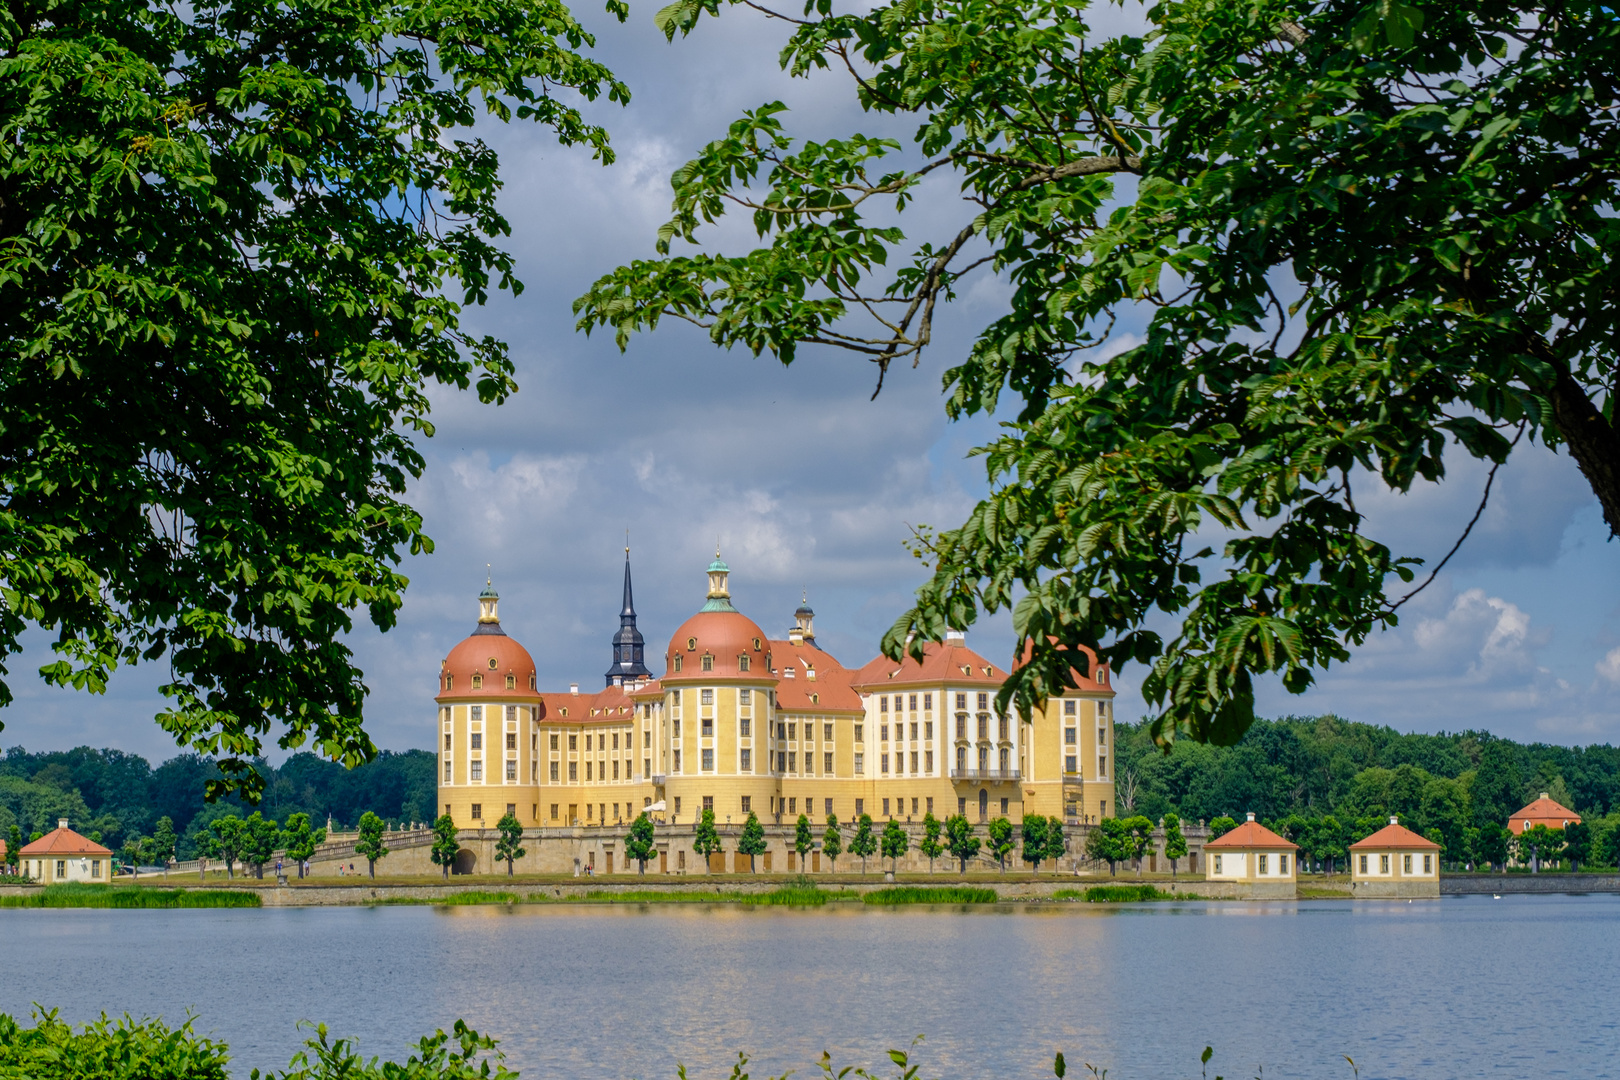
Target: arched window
pixel 511 682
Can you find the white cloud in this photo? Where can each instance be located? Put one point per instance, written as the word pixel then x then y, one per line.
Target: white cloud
pixel 1609 666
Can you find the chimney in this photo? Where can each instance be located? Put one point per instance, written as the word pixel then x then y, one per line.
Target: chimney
pixel 61 823
pixel 1251 815
pixel 796 635
pixel 957 636
pixel 1393 820
pixel 573 688
pixel 1543 794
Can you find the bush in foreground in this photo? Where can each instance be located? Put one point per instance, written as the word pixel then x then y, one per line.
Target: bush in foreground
pixel 909 894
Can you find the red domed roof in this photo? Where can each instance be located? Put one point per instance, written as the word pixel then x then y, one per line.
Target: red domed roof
pixel 488 664
pixel 727 636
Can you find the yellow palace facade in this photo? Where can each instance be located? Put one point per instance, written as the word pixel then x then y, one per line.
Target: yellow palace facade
pixel 742 723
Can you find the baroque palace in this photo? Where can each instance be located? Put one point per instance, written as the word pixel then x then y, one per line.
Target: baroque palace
pixel 740 722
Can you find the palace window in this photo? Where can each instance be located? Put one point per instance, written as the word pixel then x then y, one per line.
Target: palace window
pixel 677 669
pixel 961 701
pixel 984 759
pixel 554 776
pixel 1264 863
pixel 793 762
pixel 984 725
pixel 860 808
pixel 860 732
pixel 781 761
pixel 447 744
pixel 708 761
pixel 914 763
pixel 1070 763
pixel 826 733
pixel 742 665
pixel 1364 864
pixel 511 772
pixel 1383 864
pixel 573 772
pixel 1406 864
pixel 746 759
pixel 477 770
pixel 827 763
pixel 707 697
pixel 573 743
pixel 745 727
pixel 883 763
pixel 883 733
pixel 478 682
pixel 961 725
pixel 1070 738
pixel 708 727
pixel 747 804
pixel 476 714
pixel 588 772
pixel 883 704
pixel 913 703
pixel 1218 864
pixel 1102 737
pixel 984 701
pixel 886 808
pixel 914 730
pixel 677 762
pixel 1068 708
pixel 708 662
pixel 860 764
pixel 745 696
pixel 449 682
pixel 477 741
pixel 447 772
pixel 1006 765
pixel 511 684
pixel 511 740
pixel 1001 729
pixel 1282 865
pixel 646 739
pixel 928 763
pixel 1102 766
pixel 928 702
pixel 961 759
pixel 675 728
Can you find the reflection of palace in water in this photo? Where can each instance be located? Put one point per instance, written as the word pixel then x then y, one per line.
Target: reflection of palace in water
pixel 743 723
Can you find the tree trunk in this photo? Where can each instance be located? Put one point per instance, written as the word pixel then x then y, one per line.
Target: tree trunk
pixel 1592 440
pixel 371 867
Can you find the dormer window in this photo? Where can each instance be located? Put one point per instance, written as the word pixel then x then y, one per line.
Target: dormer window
pixel 478 682
pixel 677 662
pixel 511 682
pixel 708 662
pixel 742 662
pixel 565 711
pixel 531 682
pixel 449 682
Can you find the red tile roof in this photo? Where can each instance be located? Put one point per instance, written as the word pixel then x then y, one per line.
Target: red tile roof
pixel 1251 834
pixel 1394 836
pixel 609 705
pixel 828 691
pixel 1543 811
pixel 63 841
pixel 951 662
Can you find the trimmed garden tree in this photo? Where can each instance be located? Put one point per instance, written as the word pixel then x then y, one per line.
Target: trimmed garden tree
pixel 509 845
pixel 14 846
pixel 1175 843
pixel 1577 844
pixel 863 844
pixel 300 840
pixel 752 841
pixel 803 841
pixel 929 845
pixel 1364 239
pixel 1034 837
pixel 228 836
pixel 446 844
pixel 1057 845
pixel 233 265
pixel 1001 845
pixel 1108 841
pixel 896 842
pixel 639 843
pixel 960 841
pixel 259 841
pixel 706 840
pixel 1139 831
pixel 832 842
pixel 370 844
pixel 164 842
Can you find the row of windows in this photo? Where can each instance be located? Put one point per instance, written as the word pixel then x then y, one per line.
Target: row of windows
pixel 1406 864
pixel 900 731
pixel 899 699
pixel 1002 727
pixel 478 681
pixel 900 762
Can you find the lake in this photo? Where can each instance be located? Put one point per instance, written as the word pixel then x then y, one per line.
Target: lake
pixel 1462 987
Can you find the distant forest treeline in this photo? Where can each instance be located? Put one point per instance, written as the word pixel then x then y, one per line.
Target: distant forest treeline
pixel 1304 767
pixel 121 795
pixel 1445 786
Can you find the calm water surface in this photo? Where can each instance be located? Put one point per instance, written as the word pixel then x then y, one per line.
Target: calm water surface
pixel 1519 987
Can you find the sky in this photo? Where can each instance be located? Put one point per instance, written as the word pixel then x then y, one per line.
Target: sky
pixel 810 488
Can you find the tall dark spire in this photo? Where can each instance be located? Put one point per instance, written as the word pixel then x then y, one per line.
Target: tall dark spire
pixel 629 653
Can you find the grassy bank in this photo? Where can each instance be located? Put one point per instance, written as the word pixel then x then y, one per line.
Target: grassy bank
pixel 948 894
pixel 113 896
pixel 1121 894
